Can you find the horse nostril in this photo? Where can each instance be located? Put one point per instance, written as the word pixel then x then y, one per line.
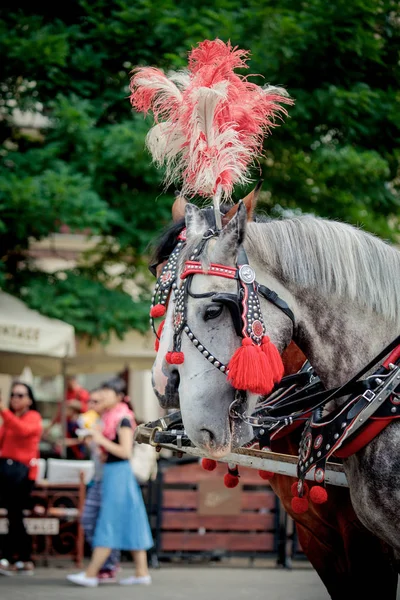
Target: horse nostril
pixel 173 381
pixel 208 437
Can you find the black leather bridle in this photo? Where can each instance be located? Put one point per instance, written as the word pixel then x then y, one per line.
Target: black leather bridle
pixel 244 306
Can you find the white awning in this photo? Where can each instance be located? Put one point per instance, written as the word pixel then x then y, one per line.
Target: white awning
pixel 28 338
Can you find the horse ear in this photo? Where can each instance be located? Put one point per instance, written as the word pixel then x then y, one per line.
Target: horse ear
pixel 231 237
pixel 178 208
pixel 196 223
pixel 250 201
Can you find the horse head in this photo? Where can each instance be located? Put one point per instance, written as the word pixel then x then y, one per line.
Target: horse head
pixel 204 325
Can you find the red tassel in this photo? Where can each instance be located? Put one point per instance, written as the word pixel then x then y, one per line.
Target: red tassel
pixel 157 311
pixel 175 358
pixel 230 481
pixel 231 478
pixel 249 369
pixel 208 464
pixel 295 493
pixel 299 505
pixel 274 359
pixel 266 474
pixel 318 494
pixel 159 332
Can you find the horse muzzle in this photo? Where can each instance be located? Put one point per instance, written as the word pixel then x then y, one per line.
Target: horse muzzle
pixel 168 393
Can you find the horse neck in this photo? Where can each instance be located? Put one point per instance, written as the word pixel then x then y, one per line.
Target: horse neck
pixel 341 285
pixel 337 335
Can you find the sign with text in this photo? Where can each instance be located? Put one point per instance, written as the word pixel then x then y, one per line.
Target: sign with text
pixel 216 499
pixel 35 526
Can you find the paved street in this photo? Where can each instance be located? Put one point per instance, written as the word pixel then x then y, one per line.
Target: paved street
pixel 210 582
pixel 175 583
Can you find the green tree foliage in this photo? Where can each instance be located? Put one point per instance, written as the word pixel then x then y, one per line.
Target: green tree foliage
pixel 337 155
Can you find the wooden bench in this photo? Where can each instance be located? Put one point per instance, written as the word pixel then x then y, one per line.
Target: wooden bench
pixel 192 517
pixel 54 522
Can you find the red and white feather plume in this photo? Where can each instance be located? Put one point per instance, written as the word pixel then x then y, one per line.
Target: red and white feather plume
pixel 210 122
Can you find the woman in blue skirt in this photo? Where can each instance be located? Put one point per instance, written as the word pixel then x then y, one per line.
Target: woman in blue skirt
pixel 122 522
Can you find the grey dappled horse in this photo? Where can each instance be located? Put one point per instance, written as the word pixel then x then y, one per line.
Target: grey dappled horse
pixel 343 286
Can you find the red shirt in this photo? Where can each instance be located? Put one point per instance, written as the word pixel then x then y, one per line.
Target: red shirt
pixel 79 394
pixel 20 437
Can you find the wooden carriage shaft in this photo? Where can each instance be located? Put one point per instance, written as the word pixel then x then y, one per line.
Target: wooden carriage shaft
pixel 284 464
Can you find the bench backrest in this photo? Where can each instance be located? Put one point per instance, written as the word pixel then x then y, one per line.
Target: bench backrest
pixel 193 513
pixel 68 471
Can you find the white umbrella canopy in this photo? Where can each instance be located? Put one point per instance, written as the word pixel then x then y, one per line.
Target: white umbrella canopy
pixel 29 339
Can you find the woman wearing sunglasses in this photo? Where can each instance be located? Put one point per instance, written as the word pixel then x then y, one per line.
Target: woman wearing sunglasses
pixel 20 436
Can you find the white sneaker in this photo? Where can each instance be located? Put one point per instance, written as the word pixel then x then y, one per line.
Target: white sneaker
pixel 146 580
pixel 25 568
pixel 5 568
pixel 81 579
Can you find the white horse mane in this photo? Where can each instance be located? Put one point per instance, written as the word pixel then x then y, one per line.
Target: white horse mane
pixel 337 258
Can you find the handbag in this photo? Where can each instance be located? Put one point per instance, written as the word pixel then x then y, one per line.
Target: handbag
pixel 13 471
pixel 144 462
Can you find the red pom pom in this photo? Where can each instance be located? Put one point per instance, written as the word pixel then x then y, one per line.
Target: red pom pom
pixel 293 489
pixel 159 332
pixel 157 311
pixel 274 359
pixel 318 494
pixel 249 369
pixel 295 492
pixel 299 505
pixel 208 464
pixel 175 358
pixel 266 474
pixel 230 480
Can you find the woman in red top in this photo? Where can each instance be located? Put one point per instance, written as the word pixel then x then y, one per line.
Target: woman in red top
pixel 19 450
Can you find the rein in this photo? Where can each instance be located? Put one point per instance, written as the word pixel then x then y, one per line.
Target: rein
pixel 306 401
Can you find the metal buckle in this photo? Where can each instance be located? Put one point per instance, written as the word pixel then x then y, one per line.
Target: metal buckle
pixel 209 234
pixel 153 435
pixel 369 395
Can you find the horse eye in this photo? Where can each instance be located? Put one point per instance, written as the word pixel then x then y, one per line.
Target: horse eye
pixel 213 311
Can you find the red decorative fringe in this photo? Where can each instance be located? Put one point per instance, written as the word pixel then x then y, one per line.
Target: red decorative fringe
pixel 249 369
pixel 274 359
pixel 318 494
pixel 175 358
pixel 208 464
pixel 266 474
pixel 157 311
pixel 159 332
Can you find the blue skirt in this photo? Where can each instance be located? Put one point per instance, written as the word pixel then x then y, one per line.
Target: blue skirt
pixel 122 522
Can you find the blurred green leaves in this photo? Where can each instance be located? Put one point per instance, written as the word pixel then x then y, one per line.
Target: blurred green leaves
pixel 336 155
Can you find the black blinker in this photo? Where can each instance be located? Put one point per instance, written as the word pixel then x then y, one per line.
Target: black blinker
pixel 232 303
